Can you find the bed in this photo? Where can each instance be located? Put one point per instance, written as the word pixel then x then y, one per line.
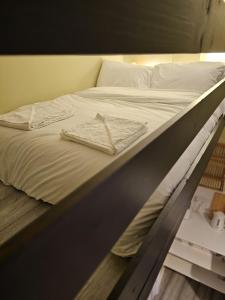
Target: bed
pixel 65 165
pixel 32 162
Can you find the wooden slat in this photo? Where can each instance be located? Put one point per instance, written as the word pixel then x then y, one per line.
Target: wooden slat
pixel 218 203
pixel 214 174
pixel 219 151
pixel 17 210
pixel 104 278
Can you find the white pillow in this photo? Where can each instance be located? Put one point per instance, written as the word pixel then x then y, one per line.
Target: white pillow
pixel 199 76
pixel 124 75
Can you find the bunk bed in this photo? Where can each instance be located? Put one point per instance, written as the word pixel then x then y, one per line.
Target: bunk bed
pixel 39 261
pixel 63 241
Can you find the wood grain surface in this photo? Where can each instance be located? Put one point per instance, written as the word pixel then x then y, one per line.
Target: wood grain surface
pixel 100 27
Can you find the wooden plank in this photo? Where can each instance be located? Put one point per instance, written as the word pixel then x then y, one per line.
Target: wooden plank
pixel 17 210
pixel 218 203
pixel 104 278
pixel 213 176
pixel 72 238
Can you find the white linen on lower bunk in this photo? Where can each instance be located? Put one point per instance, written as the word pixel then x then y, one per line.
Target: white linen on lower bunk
pixel 47 167
pixel 105 133
pixel 37 115
pixel 134 96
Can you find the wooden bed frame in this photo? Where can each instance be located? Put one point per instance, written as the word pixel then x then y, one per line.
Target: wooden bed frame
pixel 54 256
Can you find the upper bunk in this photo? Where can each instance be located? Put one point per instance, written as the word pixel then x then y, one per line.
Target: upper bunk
pixel 92 27
pixel 108 201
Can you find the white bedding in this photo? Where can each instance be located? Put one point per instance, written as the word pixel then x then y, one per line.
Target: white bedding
pixel 141 97
pixel 47 167
pixel 35 116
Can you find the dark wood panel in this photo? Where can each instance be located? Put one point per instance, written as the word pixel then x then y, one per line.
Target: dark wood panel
pixel 98 26
pixel 214 36
pixel 71 239
pixel 139 278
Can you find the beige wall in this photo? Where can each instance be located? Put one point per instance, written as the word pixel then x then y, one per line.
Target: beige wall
pixel 213 57
pixel 28 79
pixel 154 59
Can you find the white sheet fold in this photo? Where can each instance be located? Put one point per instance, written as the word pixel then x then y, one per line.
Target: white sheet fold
pixel 35 116
pixel 106 133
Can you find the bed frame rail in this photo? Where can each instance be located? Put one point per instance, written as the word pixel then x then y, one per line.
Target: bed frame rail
pixel 54 256
pixel 139 278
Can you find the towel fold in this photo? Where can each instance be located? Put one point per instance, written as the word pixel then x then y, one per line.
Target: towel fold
pixel 35 116
pixel 106 133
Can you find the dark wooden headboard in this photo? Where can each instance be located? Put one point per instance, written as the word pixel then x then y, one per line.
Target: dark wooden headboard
pixel 100 27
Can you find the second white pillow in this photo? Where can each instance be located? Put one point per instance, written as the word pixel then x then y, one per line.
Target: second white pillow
pixel 199 76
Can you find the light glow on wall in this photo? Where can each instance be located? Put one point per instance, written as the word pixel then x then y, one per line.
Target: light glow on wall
pixel 154 59
pixel 220 56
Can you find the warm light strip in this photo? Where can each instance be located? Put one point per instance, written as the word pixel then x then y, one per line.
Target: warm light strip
pixel 213 56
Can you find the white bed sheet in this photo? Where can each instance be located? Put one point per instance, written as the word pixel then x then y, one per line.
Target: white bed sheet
pixel 46 167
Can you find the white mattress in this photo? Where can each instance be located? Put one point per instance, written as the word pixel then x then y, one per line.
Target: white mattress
pixel 47 167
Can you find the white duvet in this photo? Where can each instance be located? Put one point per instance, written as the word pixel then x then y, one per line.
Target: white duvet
pixel 46 167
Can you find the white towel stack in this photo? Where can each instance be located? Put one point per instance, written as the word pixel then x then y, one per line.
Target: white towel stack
pixel 35 116
pixel 106 133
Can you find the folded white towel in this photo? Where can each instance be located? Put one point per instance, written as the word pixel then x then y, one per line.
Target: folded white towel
pixel 35 116
pixel 106 133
